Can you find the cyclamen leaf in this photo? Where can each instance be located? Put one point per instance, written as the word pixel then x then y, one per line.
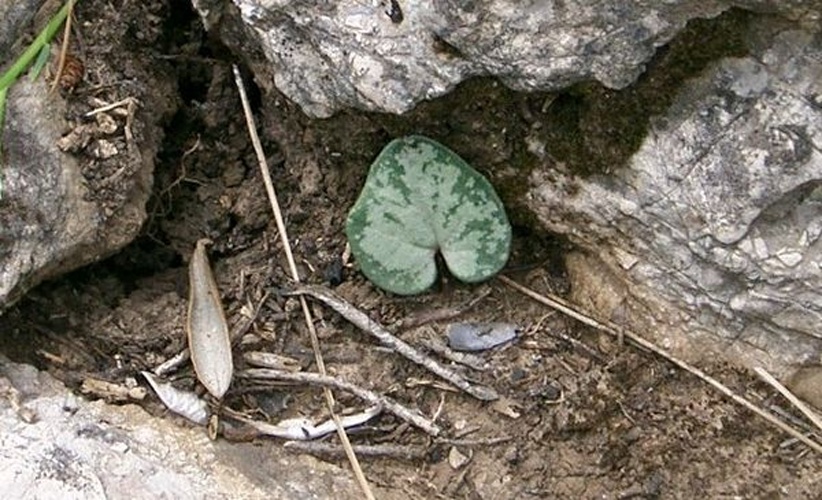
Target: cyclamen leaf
pixel 420 198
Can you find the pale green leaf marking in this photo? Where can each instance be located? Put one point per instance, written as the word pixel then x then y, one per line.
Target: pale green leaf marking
pixel 420 198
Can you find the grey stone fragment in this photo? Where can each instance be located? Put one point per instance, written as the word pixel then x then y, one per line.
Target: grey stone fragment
pixel 719 213
pixel 479 336
pixel 90 450
pixel 389 55
pixel 14 16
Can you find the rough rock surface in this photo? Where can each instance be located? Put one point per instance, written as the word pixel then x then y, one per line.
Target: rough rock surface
pixel 719 213
pixel 13 16
pixel 49 221
pixel 92 450
pixel 74 190
pixel 389 55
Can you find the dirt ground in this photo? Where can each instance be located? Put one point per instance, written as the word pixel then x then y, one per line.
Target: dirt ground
pixel 582 417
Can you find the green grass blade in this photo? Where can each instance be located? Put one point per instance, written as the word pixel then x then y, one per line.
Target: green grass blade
pixel 40 63
pixel 45 36
pixel 2 118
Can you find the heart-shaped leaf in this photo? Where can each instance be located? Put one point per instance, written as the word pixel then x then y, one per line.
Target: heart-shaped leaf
pixel 420 198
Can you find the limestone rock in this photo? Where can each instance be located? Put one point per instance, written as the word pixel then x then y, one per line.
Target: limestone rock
pixel 388 55
pixel 74 185
pixel 716 220
pixel 13 16
pixel 92 450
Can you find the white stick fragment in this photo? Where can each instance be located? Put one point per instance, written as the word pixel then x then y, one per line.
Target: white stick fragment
pixel 206 327
pixel 183 403
pixel 172 363
pixel 411 416
pixel 302 429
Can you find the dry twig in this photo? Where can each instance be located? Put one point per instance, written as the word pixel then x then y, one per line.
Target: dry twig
pixel 476 442
pixel 809 413
pixel 315 344
pixel 617 331
pixel 413 417
pixel 61 64
pixel 395 451
pixel 438 346
pixel 362 321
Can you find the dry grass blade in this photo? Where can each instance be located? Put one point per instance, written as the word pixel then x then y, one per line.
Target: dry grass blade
pixel 61 64
pixel 809 413
pixel 315 343
pixel 616 331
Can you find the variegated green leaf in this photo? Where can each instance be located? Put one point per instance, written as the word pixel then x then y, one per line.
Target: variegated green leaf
pixel 420 198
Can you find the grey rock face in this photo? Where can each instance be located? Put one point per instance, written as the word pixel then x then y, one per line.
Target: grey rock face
pixel 50 222
pixel 91 450
pixel 74 190
pixel 13 16
pixel 720 211
pixel 388 55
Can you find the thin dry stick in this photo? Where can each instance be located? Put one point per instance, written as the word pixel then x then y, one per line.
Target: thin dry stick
pixel 394 451
pixel 61 64
pixel 315 343
pixel 413 417
pixel 245 324
pixel 810 414
pixel 128 101
pixel 476 442
pixel 362 321
pixel 438 346
pixel 614 330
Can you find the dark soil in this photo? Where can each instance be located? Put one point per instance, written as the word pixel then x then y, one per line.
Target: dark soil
pixel 581 418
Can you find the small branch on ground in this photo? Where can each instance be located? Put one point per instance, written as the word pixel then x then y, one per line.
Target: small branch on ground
pixel 618 332
pixel 328 450
pixel 362 321
pixel 413 417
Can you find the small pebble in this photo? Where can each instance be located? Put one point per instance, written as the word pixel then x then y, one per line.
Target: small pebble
pixel 457 459
pixel 479 336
